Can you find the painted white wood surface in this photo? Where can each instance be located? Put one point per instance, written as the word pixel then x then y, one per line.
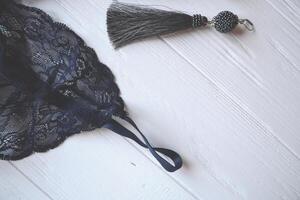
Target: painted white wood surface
pixel 230 104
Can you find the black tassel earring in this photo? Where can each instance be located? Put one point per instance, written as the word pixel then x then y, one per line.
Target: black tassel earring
pixel 128 22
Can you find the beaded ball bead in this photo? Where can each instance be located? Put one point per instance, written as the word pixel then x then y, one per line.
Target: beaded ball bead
pixel 225 21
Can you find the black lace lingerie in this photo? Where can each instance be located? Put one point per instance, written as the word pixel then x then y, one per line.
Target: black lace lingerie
pixel 53 86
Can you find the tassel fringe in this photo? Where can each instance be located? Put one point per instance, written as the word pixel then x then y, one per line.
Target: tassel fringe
pixel 128 22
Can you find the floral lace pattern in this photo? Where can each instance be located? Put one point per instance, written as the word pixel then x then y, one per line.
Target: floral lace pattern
pixel 51 84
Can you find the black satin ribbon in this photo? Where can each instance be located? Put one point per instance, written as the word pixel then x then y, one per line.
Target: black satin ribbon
pixel 116 127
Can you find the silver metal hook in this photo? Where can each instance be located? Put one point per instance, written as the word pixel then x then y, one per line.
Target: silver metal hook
pixel 247 23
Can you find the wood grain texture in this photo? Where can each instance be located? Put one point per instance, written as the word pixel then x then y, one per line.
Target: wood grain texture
pixel 230 104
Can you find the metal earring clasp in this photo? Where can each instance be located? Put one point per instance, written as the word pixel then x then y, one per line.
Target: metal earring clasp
pixel 247 23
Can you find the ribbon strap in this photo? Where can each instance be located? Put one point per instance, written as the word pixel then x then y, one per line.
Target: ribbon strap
pixel 121 130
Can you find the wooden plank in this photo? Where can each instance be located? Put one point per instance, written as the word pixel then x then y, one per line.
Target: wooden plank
pixel 259 71
pixel 13 185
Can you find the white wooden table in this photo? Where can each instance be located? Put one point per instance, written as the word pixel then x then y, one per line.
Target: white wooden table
pixel 230 104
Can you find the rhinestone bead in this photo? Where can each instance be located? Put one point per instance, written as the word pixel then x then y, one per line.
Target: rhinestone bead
pixel 225 21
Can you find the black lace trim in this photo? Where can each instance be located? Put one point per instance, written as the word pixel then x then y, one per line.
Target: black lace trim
pixel 52 85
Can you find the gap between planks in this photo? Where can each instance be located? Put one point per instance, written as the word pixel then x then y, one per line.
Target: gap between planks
pixel 30 180
pixel 283 15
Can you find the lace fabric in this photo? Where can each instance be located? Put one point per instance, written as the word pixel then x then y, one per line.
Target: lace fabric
pixel 52 86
